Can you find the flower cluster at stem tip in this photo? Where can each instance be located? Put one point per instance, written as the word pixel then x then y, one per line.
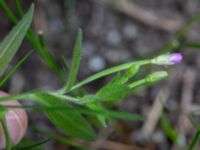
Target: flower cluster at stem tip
pixel 168 59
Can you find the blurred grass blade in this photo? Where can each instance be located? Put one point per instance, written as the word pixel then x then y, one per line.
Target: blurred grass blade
pixel 7 10
pixel 19 8
pixel 191 45
pixel 42 39
pixel 32 146
pixel 42 51
pixel 75 62
pixel 184 31
pixel 195 140
pixel 10 73
pixel 13 40
pixel 176 42
pixel 170 132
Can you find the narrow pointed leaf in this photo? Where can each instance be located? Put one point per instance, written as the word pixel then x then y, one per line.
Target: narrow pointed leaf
pixel 114 90
pixel 13 40
pixel 75 62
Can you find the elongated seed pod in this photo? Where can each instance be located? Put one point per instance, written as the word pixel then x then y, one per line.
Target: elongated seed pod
pixel 17 122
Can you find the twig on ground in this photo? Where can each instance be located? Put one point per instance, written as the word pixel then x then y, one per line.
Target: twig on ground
pixel 155 112
pixel 184 124
pixel 111 145
pixel 143 15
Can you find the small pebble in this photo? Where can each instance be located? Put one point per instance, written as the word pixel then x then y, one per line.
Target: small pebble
pixel 113 37
pixel 56 26
pixel 158 136
pixel 130 31
pixel 96 63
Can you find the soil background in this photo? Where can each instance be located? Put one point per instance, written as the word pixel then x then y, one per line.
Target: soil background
pixel 115 34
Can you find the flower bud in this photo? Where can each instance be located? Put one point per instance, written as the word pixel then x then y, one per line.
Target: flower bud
pixel 156 76
pixel 168 59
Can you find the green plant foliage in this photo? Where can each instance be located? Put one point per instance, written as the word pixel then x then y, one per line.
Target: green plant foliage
pixel 113 91
pixel 71 123
pixel 103 112
pixel 110 71
pixel 42 51
pixel 97 106
pixel 32 146
pixel 70 119
pixel 11 43
pixel 75 62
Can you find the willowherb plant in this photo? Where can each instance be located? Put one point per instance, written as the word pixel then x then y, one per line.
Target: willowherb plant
pixel 57 104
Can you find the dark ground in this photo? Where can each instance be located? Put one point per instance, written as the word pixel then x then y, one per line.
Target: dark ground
pixel 112 35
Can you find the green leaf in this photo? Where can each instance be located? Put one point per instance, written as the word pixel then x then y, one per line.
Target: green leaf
pixel 13 40
pixel 130 73
pixel 72 123
pixel 97 106
pixel 75 62
pixel 113 91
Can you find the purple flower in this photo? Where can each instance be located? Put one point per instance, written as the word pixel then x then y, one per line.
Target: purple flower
pixel 175 58
pixel 168 59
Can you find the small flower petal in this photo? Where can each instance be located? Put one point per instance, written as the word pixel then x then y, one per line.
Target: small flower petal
pixel 176 58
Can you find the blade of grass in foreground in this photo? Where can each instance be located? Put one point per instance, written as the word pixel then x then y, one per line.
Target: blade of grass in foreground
pixel 42 51
pixel 10 73
pixel 13 40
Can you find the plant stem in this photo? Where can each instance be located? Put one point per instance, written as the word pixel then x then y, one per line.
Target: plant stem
pixel 105 73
